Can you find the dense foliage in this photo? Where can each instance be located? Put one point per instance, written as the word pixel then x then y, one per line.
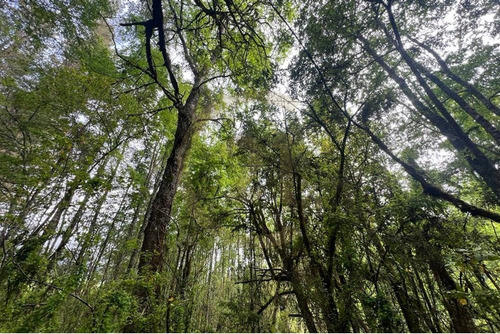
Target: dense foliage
pixel 249 166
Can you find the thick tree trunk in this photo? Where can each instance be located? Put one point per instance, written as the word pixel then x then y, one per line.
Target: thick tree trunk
pixel 419 303
pixel 408 307
pixel 458 308
pixel 430 306
pixel 132 264
pixel 153 246
pixel 257 218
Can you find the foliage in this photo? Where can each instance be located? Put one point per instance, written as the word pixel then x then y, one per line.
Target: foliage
pixel 310 166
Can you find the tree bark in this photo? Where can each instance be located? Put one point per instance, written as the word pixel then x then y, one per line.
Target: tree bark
pixel 461 141
pixel 302 303
pixel 470 88
pixel 461 318
pixel 153 246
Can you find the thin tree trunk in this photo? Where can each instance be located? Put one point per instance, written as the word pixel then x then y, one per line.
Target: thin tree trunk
pixel 490 128
pixel 87 241
pixel 68 232
pixel 128 237
pixel 477 159
pixel 301 297
pixel 470 88
pixel 109 236
pixel 407 305
pixel 324 288
pixel 460 314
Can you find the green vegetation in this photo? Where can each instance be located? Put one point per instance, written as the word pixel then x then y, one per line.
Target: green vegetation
pixel 249 166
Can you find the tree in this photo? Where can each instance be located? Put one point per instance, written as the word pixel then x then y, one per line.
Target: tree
pixel 249 166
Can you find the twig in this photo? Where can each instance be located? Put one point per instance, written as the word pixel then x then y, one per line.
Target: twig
pixel 58 289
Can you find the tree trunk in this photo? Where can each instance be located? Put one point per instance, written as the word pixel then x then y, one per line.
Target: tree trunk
pixel 406 303
pixel 302 303
pixel 461 141
pixel 75 220
pixel 87 241
pixel 153 246
pixel 470 88
pixel 461 318
pixel 476 159
pixel 327 303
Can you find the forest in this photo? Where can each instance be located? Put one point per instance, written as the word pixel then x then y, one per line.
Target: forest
pixel 250 166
